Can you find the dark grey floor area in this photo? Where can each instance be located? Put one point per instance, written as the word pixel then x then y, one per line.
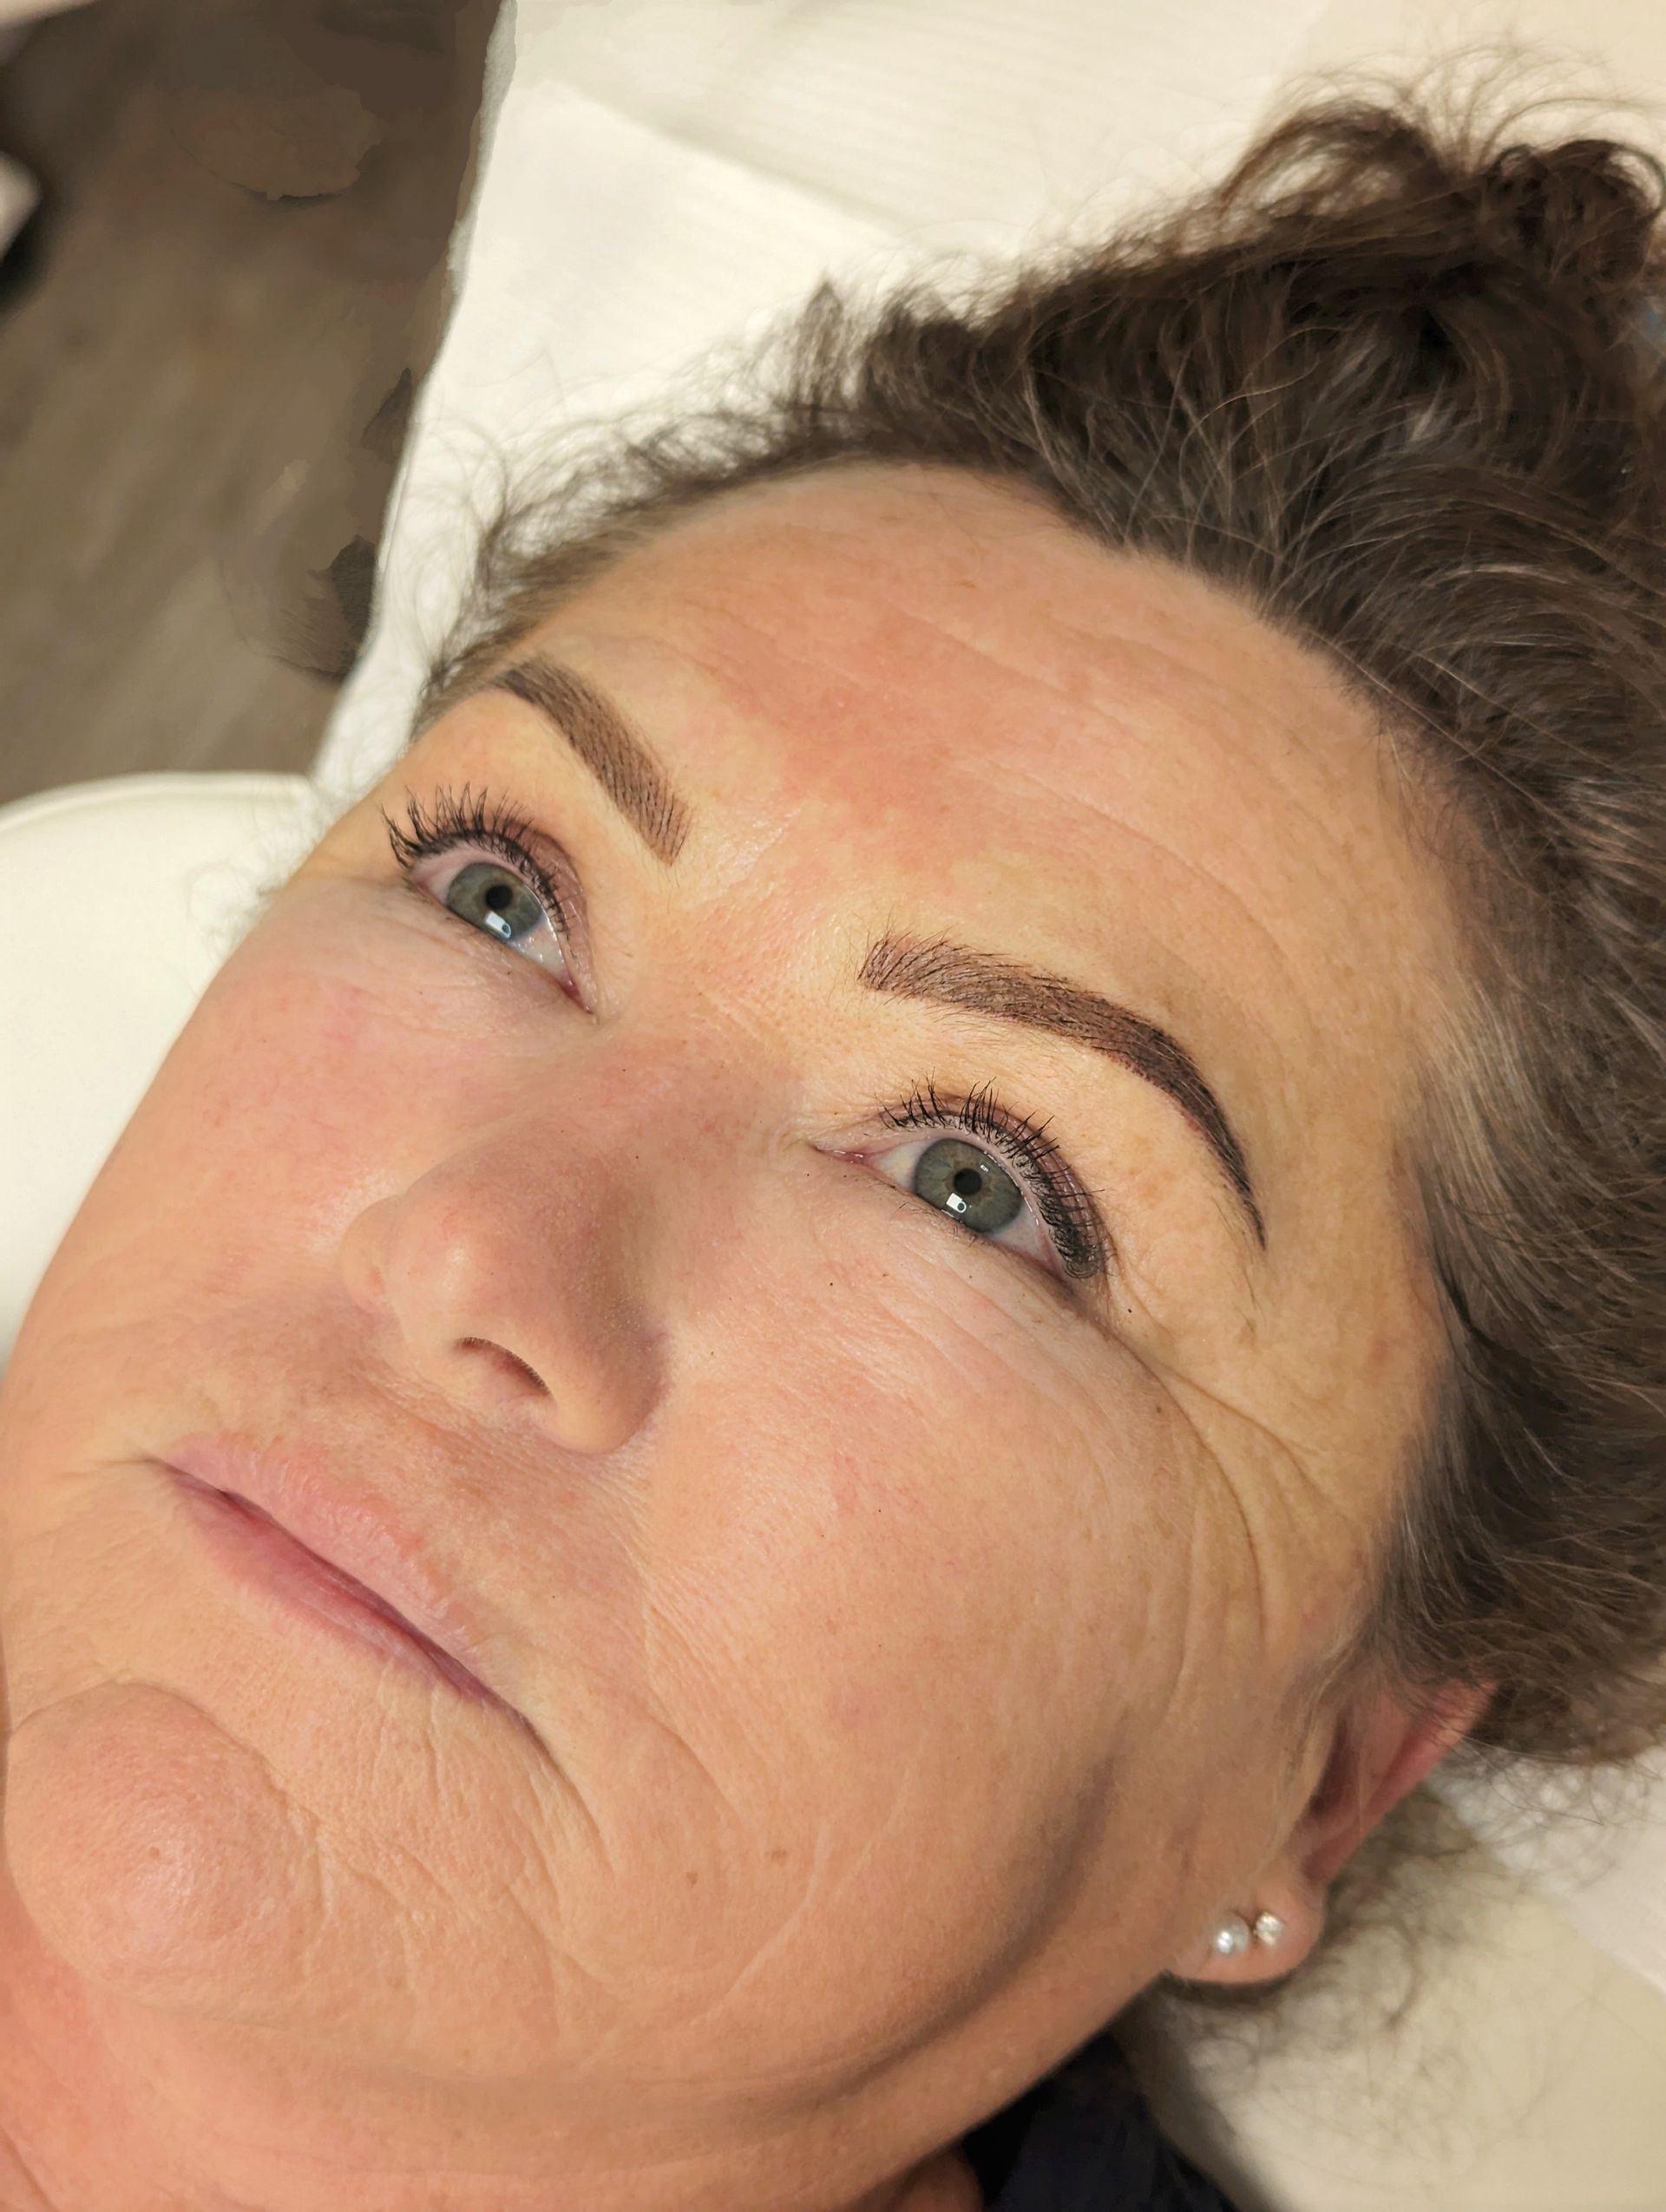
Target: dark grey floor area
pixel 210 333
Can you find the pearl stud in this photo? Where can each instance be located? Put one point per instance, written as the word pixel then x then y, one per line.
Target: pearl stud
pixel 1234 1934
pixel 1231 1936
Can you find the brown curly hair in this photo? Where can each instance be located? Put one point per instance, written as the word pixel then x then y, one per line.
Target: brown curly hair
pixel 1396 381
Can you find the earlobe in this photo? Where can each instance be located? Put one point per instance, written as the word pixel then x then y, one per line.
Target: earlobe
pixel 1378 1752
pixel 1260 1941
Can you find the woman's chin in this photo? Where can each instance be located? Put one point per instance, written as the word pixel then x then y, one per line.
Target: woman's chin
pixel 153 1853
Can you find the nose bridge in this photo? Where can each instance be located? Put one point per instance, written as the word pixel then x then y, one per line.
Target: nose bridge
pixel 526 1265
pixel 598 1152
pixel 684 1064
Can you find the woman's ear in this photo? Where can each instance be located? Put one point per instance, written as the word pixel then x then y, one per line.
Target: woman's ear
pixel 1379 1750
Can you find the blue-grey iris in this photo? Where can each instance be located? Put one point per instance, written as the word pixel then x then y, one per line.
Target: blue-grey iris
pixel 966 1182
pixel 494 897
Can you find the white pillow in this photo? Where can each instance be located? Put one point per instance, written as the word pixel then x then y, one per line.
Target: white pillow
pixel 118 899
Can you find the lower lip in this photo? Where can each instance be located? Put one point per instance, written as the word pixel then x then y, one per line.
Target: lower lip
pixel 263 1556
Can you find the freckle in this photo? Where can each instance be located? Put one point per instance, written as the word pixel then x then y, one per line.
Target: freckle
pixel 777 1855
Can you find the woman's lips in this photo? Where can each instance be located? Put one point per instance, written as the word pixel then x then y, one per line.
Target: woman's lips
pixel 277 1522
pixel 255 1549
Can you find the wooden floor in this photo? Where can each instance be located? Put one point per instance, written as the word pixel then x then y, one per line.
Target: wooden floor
pixel 203 390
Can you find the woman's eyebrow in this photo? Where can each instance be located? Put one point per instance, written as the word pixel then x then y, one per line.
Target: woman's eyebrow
pixel 956 975
pixel 621 760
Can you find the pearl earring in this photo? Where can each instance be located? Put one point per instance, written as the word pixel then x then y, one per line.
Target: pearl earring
pixel 1234 1934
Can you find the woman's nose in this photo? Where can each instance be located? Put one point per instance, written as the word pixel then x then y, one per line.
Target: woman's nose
pixel 515 1289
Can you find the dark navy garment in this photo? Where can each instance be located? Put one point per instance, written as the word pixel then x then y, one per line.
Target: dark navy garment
pixel 1083 2140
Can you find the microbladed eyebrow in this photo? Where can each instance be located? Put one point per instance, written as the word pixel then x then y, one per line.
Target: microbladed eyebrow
pixel 621 761
pixel 956 975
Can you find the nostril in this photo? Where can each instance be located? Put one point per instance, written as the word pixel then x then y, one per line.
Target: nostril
pixel 513 1367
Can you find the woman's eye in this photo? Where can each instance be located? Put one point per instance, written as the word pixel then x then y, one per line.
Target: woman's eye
pixel 966 1181
pixel 968 1184
pixel 476 861
pixel 998 1176
pixel 495 898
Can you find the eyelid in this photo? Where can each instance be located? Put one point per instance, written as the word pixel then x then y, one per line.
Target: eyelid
pixel 459 818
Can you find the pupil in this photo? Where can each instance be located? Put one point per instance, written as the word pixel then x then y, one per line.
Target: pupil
pixel 498 897
pixel 967 1181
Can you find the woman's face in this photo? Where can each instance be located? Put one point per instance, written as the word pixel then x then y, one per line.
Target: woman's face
pixel 900 1542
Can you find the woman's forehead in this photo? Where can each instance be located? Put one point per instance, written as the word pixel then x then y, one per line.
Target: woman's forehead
pixel 892 644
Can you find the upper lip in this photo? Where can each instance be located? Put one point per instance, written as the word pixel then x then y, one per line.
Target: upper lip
pixel 356 1533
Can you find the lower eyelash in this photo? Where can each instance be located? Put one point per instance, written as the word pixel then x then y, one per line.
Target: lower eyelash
pixel 1069 1215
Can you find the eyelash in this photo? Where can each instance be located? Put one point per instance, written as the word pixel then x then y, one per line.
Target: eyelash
pixel 460 818
pixel 1065 1210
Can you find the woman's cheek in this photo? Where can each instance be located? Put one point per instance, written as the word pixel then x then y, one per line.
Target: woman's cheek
pixel 298 1089
pixel 934 1504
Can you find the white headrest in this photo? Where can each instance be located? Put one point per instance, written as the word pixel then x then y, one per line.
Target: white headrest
pixel 118 899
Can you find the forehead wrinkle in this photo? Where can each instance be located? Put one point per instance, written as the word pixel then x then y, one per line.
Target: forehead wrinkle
pixel 1197 726
pixel 1014 765
pixel 1020 767
pixel 1208 705
pixel 1192 715
pixel 1340 851
pixel 1017 771
pixel 1215 726
pixel 1170 596
pixel 722 672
